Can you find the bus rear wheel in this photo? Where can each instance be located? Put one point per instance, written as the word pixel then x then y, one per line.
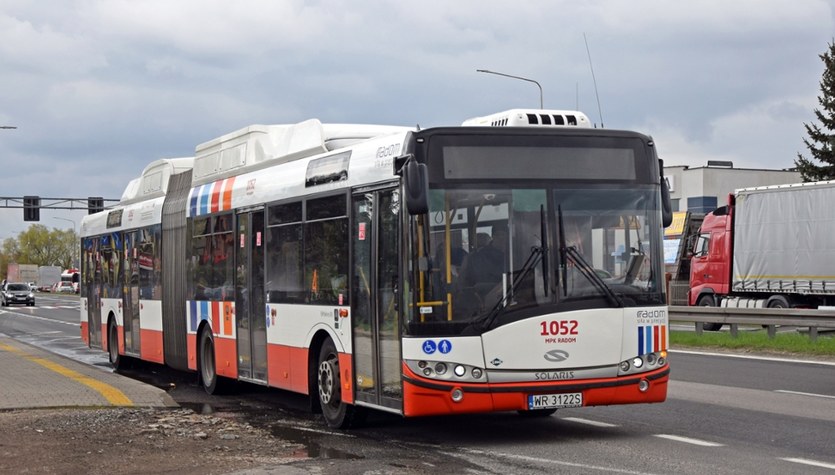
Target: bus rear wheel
pixel 206 359
pixel 113 346
pixel 338 414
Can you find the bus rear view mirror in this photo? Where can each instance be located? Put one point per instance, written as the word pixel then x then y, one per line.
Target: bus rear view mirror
pixel 416 184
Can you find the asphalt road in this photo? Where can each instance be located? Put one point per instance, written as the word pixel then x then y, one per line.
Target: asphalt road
pixel 724 414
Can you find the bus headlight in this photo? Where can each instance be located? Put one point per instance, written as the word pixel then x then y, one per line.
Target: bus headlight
pixel 637 362
pixel 447 370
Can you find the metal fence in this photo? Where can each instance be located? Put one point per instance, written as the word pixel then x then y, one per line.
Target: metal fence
pixel 767 317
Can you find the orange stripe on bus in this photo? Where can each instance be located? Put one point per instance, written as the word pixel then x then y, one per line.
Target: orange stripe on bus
pixel 191 351
pixel 226 357
pixel 121 332
pixel 150 345
pixel 287 368
pixel 228 311
pixel 215 196
pixel 215 317
pixel 278 366
pixel 663 337
pixel 227 193
pixel 104 336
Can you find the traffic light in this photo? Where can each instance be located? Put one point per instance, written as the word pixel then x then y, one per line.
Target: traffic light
pixel 31 208
pixel 95 204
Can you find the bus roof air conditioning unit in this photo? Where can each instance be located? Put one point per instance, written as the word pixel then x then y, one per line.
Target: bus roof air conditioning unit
pixel 531 118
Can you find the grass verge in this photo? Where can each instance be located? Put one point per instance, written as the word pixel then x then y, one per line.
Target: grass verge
pixel 792 343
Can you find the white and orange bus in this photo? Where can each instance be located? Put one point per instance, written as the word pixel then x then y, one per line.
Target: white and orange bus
pixel 514 263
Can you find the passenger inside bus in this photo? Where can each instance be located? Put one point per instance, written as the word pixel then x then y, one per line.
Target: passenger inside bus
pixel 485 266
pixel 482 272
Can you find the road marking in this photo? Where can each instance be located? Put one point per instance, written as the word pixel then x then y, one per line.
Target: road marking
pixel 786 391
pixel 37 317
pixel 113 395
pixel 752 357
pixel 583 466
pixel 688 440
pixel 810 462
pixel 589 422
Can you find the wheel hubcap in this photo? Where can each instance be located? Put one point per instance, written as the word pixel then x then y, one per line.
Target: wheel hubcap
pixel 327 377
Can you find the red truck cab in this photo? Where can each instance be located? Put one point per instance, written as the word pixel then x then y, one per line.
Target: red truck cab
pixel 710 265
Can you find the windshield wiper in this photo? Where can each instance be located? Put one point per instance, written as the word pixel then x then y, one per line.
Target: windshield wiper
pixel 543 230
pixel 533 259
pixel 583 266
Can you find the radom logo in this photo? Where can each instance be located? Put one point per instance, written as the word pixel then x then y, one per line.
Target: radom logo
pixel 555 356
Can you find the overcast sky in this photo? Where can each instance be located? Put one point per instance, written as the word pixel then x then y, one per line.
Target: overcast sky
pixel 98 89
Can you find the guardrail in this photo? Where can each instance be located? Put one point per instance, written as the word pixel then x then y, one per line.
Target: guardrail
pixel 768 317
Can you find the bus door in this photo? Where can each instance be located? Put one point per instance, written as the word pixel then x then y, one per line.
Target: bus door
pixel 130 299
pixel 374 307
pixel 94 283
pixel 251 322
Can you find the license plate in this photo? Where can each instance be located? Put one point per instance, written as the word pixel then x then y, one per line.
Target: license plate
pixel 554 401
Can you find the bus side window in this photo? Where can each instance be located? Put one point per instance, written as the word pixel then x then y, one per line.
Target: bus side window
pixel 326 251
pixel 285 267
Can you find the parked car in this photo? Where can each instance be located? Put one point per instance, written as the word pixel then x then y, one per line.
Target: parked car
pixel 17 293
pixel 64 287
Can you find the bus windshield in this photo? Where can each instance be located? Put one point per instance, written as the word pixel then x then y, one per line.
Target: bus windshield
pixel 487 256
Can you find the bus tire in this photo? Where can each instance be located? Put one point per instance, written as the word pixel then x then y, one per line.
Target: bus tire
pixel 209 379
pixel 113 346
pixel 338 415
pixel 709 301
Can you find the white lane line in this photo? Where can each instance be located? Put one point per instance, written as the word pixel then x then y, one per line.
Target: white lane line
pixel 688 440
pixel 563 463
pixel 589 422
pixel 51 320
pixel 786 391
pixel 752 357
pixel 810 462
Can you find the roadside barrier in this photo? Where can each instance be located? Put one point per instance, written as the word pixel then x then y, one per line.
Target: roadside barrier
pixel 767 317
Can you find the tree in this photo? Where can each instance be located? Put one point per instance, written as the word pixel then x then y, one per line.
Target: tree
pixel 821 138
pixel 41 246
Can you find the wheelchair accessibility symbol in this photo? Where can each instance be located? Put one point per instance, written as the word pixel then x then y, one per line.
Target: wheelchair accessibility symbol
pixel 429 347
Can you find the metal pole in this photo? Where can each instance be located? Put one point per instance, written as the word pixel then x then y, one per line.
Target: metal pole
pixel 487 71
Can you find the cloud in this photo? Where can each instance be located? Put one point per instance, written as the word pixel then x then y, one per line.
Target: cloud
pixel 98 89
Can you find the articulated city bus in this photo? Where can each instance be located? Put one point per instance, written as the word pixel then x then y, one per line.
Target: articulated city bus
pixel 514 263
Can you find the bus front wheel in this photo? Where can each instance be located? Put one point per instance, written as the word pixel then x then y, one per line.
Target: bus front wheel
pixel 338 414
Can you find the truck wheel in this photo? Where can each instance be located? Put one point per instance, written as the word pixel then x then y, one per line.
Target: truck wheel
pixel 708 301
pixel 778 301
